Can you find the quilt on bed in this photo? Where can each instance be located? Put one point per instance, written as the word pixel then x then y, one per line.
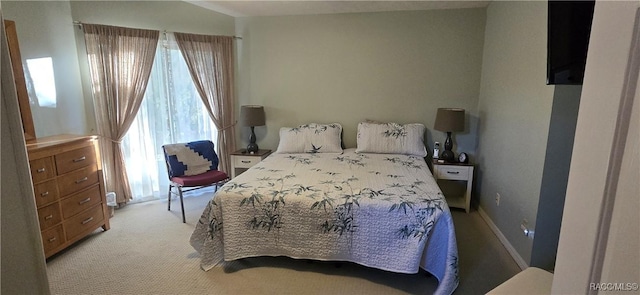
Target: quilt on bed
pixel 380 210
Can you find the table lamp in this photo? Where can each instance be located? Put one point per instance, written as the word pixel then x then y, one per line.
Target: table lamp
pixel 252 115
pixel 449 120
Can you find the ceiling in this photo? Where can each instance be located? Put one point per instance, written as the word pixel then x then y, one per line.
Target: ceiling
pixel 280 8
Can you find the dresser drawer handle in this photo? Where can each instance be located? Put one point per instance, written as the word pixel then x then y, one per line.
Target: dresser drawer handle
pixel 453 172
pixel 48 217
pixel 84 201
pixel 44 194
pixel 52 240
pixel 87 220
pixel 245 161
pixel 82 180
pixel 41 170
pixel 79 159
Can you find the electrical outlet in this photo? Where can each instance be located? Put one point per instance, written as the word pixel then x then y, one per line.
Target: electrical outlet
pixel 497 199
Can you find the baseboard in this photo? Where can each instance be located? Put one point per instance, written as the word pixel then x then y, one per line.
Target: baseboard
pixel 514 254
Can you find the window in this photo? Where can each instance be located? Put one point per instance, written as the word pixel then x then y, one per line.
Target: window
pixel 171 112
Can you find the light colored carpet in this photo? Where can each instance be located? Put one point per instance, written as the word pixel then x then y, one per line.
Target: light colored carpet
pixel 147 251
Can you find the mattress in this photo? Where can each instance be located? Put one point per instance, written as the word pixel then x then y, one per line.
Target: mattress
pixel 383 211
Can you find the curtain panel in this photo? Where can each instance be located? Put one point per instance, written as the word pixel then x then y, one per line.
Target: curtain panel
pixel 120 61
pixel 210 60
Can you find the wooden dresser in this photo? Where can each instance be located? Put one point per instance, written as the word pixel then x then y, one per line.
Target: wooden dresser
pixel 69 189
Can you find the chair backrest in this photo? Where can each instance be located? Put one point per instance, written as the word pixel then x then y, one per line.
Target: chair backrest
pixel 190 158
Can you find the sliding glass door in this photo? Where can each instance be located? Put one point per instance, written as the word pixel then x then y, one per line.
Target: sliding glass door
pixel 171 112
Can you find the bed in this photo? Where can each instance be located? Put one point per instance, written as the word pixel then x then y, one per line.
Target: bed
pixel 379 210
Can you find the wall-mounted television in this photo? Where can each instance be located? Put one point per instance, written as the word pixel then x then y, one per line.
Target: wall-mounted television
pixel 568 28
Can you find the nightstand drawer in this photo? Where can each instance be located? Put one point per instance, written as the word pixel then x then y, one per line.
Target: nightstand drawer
pixel 452 172
pixel 245 161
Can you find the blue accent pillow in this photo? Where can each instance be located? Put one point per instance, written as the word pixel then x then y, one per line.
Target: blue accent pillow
pixel 190 158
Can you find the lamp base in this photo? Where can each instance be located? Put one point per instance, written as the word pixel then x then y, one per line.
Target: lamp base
pixel 447 156
pixel 252 148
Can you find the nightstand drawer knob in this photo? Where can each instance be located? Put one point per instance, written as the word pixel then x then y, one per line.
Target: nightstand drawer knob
pixel 245 161
pixel 453 172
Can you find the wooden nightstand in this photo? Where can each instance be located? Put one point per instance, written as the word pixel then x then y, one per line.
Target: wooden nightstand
pixel 241 160
pixel 458 172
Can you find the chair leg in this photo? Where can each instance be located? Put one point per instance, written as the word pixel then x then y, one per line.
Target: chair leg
pixel 220 183
pixel 181 204
pixel 169 199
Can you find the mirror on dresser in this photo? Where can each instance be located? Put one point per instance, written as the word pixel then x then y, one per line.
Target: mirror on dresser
pixel 20 81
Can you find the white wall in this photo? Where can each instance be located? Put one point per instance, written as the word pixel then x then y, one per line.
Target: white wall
pixel 345 68
pixel 174 16
pixel 45 29
pixel 514 109
pixel 622 257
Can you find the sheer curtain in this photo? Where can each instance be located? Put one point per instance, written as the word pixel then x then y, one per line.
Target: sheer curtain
pixel 171 112
pixel 120 61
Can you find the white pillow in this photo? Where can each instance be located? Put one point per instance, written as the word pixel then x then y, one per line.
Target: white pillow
pixel 311 138
pixel 291 141
pixel 323 138
pixel 391 138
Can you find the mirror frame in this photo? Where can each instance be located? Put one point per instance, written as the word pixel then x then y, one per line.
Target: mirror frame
pixel 18 75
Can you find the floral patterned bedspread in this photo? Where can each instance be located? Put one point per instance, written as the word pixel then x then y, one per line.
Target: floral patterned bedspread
pixel 379 210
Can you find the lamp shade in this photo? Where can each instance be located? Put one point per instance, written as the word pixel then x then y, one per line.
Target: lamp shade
pixel 449 120
pixel 252 115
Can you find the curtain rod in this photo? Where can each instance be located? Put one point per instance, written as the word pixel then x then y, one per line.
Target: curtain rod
pixel 79 24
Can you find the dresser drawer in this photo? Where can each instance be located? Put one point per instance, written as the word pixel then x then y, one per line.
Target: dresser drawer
pixel 80 201
pixel 49 216
pixel 84 222
pixel 75 159
pixel 42 169
pixel 52 238
pixel 452 172
pixel 77 180
pixel 45 192
pixel 245 161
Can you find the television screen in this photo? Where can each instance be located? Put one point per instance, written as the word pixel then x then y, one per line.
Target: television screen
pixel 569 27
